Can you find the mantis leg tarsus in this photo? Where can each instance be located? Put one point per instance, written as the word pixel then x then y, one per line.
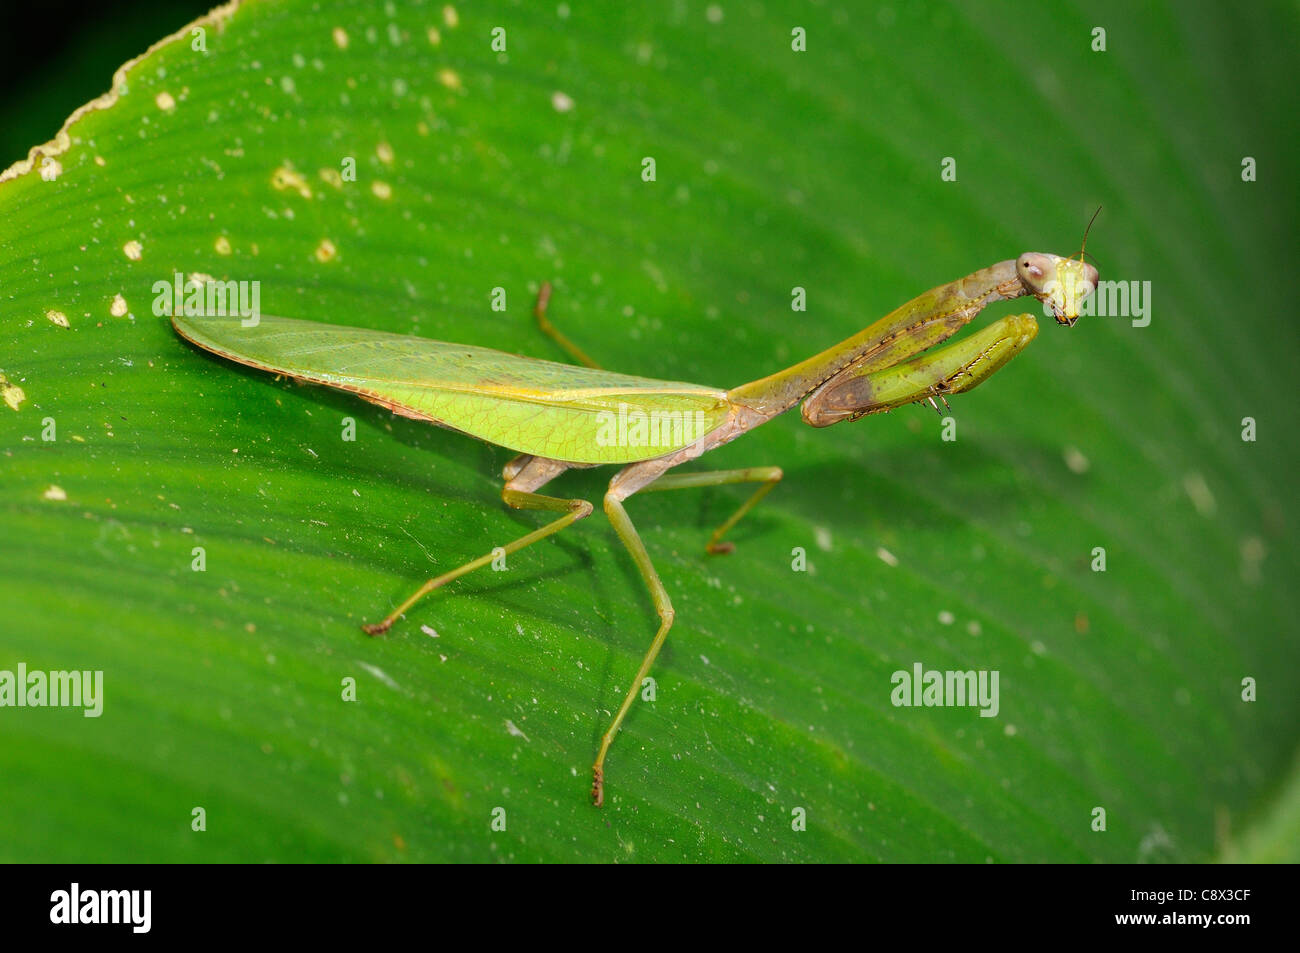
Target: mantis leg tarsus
pixel 554 333
pixel 519 499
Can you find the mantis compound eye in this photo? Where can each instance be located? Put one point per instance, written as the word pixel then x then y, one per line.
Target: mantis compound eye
pixel 1036 270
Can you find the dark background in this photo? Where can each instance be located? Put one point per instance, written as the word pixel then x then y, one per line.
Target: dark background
pixel 47 73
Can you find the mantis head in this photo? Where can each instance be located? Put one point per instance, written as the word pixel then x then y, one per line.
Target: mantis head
pixel 1060 283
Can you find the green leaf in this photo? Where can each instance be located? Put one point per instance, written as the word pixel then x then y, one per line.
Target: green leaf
pixel 775 169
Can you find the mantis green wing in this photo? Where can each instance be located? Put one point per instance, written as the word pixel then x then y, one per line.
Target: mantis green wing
pixel 559 411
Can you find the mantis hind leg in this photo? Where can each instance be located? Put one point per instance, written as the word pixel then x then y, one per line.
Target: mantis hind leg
pixel 622 523
pixel 552 332
pixel 768 476
pixel 573 510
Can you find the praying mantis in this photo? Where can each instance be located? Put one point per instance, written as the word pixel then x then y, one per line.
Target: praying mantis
pixel 559 416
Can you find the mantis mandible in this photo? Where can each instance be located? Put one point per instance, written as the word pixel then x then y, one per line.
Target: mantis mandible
pixel 563 416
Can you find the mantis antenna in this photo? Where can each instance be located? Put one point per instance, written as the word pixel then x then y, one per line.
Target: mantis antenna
pixel 1084 244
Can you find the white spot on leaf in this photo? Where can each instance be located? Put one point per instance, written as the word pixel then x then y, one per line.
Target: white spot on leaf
pixel 12 393
pixel 1075 460
pixel 288 179
pixel 1200 494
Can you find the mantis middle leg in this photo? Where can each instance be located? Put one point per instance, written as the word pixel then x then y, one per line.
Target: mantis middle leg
pixel 518 493
pixel 768 476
